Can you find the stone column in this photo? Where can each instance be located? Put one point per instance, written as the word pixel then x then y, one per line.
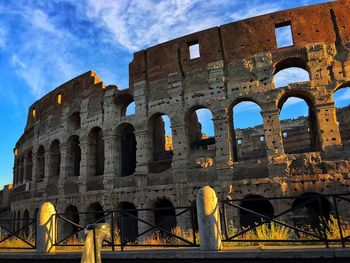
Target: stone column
pixel 144 150
pixel 327 126
pixel 46 228
pixel 208 219
pixel 63 171
pixel 110 142
pixel 84 164
pixel 223 144
pixel 46 169
pixel 273 136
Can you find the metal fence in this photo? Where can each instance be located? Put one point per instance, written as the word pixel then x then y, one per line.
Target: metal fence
pixel 160 231
pixel 18 234
pixel 309 219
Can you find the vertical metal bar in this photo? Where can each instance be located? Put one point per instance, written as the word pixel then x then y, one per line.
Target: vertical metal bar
pixel 224 218
pixel 122 229
pixel 324 227
pixel 112 231
pixel 193 224
pixel 338 221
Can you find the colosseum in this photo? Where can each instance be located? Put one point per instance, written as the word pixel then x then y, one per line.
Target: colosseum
pixel 81 151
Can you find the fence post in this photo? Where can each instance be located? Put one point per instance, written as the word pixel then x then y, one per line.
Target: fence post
pixel 46 228
pixel 208 219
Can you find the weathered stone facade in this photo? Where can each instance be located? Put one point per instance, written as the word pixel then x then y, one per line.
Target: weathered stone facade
pixel 80 149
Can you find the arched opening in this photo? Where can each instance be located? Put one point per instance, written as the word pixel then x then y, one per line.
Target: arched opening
pixel 55 159
pixel 40 167
pixel 342 103
pixel 298 124
pixel 74 121
pixel 71 213
pixel 248 137
pixel 29 166
pixel 96 151
pixel 26 220
pixel 164 216
pixel 95 213
pixel 127 149
pixel 309 209
pixel 291 70
pixel 126 222
pixel 162 146
pixel 200 127
pixel 130 109
pixel 73 156
pixel 257 204
pixel 18 225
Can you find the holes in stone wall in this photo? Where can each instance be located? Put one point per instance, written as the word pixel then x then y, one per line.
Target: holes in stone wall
pixel 284 35
pixel 247 129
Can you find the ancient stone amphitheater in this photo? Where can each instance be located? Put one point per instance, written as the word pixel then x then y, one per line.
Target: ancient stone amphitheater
pixel 82 152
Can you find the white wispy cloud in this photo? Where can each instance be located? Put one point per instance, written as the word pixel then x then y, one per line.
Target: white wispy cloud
pixel 290 75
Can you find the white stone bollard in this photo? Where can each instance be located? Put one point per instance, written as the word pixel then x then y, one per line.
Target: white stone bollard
pixel 208 219
pixel 46 232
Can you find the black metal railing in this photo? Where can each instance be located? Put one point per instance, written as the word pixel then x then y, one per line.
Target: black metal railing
pixel 18 234
pixel 155 233
pixel 307 219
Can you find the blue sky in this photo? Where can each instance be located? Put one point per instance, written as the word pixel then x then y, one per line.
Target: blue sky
pixel 44 43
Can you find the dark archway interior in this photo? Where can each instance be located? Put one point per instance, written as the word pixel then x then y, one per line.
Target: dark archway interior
pixel 55 159
pixel 95 213
pixel 256 204
pixel 128 151
pixel 40 163
pixel 25 224
pixel 71 213
pixel 127 223
pixel 164 216
pixel 309 209
pixel 96 150
pixel 74 156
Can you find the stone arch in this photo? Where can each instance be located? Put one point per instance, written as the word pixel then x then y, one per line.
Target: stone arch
pixel 248 139
pixel 21 169
pixel 164 215
pixel 71 213
pixel 123 101
pixel 95 213
pixel 309 209
pixel 73 156
pixel 29 166
pixel 161 143
pixel 258 204
pixel 40 163
pixel 55 159
pixel 126 148
pixel 197 139
pixel 299 133
pixel 126 221
pixel 291 70
pixel 96 152
pixel 341 98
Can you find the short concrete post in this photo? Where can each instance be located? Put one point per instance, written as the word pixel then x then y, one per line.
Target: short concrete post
pixel 46 232
pixel 208 219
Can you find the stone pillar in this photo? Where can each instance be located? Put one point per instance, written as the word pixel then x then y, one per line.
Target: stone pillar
pixel 63 170
pixel 46 169
pixel 208 219
pixel 180 145
pixel 110 142
pixel 144 150
pixel 223 144
pixel 84 165
pixel 46 228
pixel 327 126
pixel 273 135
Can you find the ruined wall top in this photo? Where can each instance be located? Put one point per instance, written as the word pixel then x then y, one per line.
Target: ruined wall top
pixel 238 40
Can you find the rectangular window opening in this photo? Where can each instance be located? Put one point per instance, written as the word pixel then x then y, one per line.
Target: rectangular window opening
pixel 59 99
pixel 284 36
pixel 285 135
pixel 239 141
pixel 194 50
pixel 34 113
pixel 262 138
